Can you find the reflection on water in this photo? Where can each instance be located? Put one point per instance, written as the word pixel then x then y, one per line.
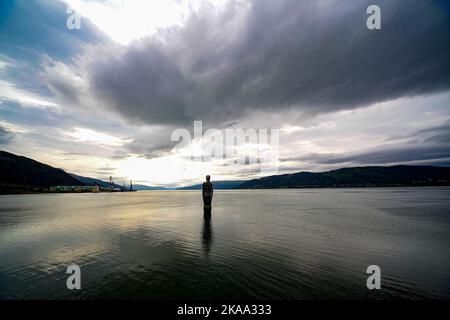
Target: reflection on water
pixel 207 234
pixel 281 244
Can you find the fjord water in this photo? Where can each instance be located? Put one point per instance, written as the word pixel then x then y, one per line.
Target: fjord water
pixel 279 244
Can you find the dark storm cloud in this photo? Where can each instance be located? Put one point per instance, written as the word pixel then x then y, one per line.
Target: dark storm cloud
pixel 5 136
pixel 151 152
pixel 143 76
pixel 153 144
pixel 315 56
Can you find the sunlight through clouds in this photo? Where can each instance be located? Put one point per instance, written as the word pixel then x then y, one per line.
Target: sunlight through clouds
pixel 127 20
pixel 87 135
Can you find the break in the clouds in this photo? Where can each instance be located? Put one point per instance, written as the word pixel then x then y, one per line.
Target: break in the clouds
pixel 342 95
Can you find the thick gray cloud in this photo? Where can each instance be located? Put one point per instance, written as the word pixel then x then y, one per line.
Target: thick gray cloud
pixel 314 56
pixel 152 143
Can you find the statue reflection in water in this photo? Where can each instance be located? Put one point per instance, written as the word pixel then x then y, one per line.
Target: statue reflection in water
pixel 207 194
pixel 207 234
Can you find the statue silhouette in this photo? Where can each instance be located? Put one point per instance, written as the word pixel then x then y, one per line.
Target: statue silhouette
pixel 207 193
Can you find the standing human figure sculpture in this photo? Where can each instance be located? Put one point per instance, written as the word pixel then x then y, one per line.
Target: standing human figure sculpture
pixel 207 193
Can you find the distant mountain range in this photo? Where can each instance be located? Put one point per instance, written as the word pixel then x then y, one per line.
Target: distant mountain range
pixel 94 182
pixel 230 184
pixel 20 175
pixel 141 187
pixel 356 177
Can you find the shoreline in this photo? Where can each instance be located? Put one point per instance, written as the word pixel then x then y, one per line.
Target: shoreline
pixel 236 189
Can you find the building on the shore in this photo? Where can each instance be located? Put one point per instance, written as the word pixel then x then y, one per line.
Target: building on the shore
pixel 74 189
pixel 79 189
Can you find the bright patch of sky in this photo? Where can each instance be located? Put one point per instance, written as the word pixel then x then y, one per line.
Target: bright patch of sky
pixel 128 20
pixel 91 136
pixel 10 92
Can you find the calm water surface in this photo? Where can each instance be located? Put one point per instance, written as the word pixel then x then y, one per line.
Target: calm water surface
pixel 268 244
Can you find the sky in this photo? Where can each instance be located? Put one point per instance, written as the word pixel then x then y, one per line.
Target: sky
pixel 105 99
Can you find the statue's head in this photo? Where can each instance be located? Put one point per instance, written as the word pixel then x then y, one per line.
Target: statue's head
pixel 208 178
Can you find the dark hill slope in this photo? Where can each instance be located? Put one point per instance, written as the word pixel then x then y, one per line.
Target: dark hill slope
pixel 22 171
